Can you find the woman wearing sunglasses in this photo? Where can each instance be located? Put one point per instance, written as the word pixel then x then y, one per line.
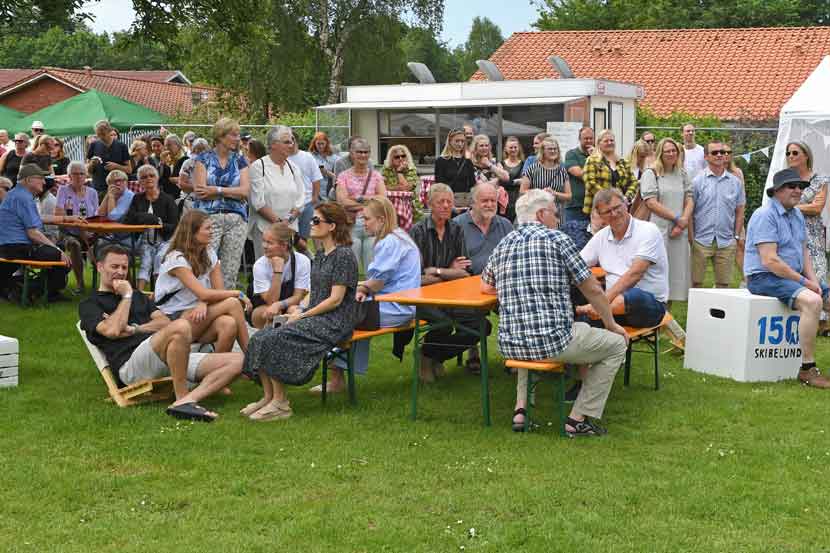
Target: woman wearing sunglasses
pixel 813 200
pixel 401 180
pixel 291 353
pixel 11 160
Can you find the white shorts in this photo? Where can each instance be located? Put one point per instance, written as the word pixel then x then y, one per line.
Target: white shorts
pixel 145 364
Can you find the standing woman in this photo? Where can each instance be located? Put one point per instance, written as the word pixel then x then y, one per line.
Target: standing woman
pixel 396 267
pixel 640 159
pixel 514 158
pixel 604 169
pixel 291 353
pixel 177 158
pixel 667 191
pixel 453 167
pixel 277 188
pixel 221 186
pixel 354 186
pixel 401 180
pixel 320 148
pixel 11 160
pixel 813 200
pixel 549 174
pixel 60 163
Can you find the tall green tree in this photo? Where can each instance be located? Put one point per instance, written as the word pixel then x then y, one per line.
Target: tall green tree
pixel 21 16
pixel 690 14
pixel 484 39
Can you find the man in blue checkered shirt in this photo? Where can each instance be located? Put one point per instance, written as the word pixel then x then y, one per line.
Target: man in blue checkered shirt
pixel 531 271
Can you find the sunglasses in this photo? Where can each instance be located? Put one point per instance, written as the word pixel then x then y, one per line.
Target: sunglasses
pixel 364 152
pixel 649 141
pixel 399 156
pixel 20 141
pixel 317 220
pixel 794 185
pixel 719 152
pixel 791 153
pixel 37 130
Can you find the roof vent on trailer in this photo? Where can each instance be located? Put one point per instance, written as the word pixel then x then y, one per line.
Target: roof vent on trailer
pixel 561 67
pixel 490 70
pixel 421 72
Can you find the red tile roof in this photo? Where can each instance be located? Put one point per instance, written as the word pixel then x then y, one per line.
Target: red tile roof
pixel 11 76
pixel 167 98
pixel 144 75
pixel 730 73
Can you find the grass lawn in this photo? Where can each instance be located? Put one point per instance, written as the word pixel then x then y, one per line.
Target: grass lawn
pixel 705 464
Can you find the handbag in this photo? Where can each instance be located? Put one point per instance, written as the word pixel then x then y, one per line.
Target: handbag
pixel 350 216
pixel 367 315
pixel 639 209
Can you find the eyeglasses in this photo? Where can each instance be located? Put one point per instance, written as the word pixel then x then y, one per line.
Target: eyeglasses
pixel 718 152
pixel 794 185
pixel 791 153
pixel 144 177
pixel 612 209
pixel 317 220
pixel 399 156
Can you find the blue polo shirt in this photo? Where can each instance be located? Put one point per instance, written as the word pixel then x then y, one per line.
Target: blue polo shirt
pixel 18 213
pixel 774 224
pixel 480 246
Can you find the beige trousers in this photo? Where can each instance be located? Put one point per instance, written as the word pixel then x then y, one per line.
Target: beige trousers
pixel 723 259
pixel 604 351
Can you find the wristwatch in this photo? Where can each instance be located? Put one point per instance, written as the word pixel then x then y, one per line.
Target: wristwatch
pixel 438 271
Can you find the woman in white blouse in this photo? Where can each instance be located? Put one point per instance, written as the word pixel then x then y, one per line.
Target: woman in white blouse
pixel 277 187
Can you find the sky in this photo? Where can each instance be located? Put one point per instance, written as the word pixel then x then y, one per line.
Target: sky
pixel 117 15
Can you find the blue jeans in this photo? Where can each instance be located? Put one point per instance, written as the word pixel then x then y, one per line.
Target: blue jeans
pixel 642 310
pixel 304 222
pixel 772 285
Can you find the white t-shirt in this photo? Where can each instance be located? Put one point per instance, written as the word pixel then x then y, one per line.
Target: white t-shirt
pixel 280 189
pixel 46 205
pixel 166 283
pixel 642 240
pixel 694 160
pixel 264 272
pixel 311 172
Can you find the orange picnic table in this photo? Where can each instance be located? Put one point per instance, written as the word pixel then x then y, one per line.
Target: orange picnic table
pixel 112 227
pixel 459 293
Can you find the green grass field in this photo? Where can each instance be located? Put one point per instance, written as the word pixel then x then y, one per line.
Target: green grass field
pixel 704 464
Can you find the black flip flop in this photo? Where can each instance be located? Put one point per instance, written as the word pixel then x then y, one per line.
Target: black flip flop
pixel 190 411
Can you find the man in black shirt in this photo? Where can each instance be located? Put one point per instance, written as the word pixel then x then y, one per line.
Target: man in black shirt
pixel 140 342
pixel 443 257
pixel 106 154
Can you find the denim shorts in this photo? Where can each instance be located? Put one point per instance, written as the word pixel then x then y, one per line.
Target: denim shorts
pixel 642 310
pixel 785 289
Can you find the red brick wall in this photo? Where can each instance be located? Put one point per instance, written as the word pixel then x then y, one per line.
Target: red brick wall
pixel 38 95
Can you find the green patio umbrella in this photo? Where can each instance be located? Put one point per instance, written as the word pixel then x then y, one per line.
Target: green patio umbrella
pixel 9 118
pixel 77 115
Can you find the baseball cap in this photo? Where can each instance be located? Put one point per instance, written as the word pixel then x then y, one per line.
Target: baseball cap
pixel 785 176
pixel 31 170
pixel 38 125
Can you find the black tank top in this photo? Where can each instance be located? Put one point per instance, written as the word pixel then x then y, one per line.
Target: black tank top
pixel 12 165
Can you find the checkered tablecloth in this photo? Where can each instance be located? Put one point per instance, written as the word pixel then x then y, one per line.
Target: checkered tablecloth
pixel 402 200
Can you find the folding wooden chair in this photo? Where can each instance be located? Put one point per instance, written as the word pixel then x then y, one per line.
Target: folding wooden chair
pixel 138 392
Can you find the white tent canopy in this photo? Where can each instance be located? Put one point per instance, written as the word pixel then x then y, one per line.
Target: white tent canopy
pixel 806 117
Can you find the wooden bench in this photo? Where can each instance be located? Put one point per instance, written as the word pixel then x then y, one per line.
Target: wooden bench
pixel 553 367
pixel 651 338
pixel 30 270
pixel 344 351
pixel 132 394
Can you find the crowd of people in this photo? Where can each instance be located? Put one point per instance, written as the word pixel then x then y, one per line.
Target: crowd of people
pixel 531 227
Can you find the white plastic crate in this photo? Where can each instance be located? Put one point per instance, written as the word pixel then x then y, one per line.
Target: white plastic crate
pixel 9 360
pixel 735 334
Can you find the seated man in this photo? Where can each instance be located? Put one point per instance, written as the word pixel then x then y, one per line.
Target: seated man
pixel 140 342
pixel 531 271
pixel 633 255
pixel 483 230
pixel 443 257
pixel 777 263
pixel 21 232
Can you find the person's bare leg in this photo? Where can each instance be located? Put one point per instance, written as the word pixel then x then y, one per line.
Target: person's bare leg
pixel 521 395
pixel 77 259
pixel 226 332
pixel 258 317
pixel 230 306
pixel 335 383
pixel 808 304
pixel 278 407
pixel 267 396
pixel 172 344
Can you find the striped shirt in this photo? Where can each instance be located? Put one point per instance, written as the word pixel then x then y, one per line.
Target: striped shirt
pixel 717 199
pixel 541 177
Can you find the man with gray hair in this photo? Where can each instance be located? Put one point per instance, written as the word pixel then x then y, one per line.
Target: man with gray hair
pixel 633 254
pixel 443 257
pixel 532 271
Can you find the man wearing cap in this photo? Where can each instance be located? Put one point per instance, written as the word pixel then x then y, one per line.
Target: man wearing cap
pixel 37 129
pixel 21 231
pixel 777 264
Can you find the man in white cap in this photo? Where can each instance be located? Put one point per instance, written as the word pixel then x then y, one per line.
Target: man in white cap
pixel 37 129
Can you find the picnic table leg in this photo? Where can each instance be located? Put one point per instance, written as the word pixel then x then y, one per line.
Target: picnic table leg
pixel 627 370
pixel 350 369
pixel 416 366
pixel 44 300
pixel 485 378
pixel 324 366
pixel 24 300
pixel 656 359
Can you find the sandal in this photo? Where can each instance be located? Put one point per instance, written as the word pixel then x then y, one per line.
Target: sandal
pixel 190 411
pixel 474 366
pixel 519 426
pixel 276 410
pixel 251 408
pixel 583 428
